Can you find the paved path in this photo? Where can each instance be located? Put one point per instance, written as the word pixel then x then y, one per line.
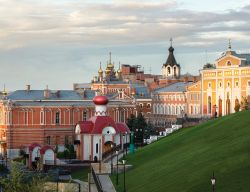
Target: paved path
pixel 106 183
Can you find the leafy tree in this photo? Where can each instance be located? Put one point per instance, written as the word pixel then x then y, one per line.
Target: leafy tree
pixel 131 122
pixel 140 128
pixel 244 104
pixel 20 181
pixel 149 130
pixel 237 107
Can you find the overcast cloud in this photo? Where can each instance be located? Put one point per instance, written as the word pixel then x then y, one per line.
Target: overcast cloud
pixel 61 42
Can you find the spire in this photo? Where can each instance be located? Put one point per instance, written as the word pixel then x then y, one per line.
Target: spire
pixel 229 44
pixel 109 57
pixel 100 71
pixel 119 69
pixel 4 90
pixel 171 59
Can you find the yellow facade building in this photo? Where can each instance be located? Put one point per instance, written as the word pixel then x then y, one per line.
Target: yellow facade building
pixel 225 84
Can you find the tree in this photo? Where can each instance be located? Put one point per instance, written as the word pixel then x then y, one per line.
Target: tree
pixel 149 130
pixel 237 107
pixel 131 122
pixel 244 103
pixel 138 126
pixel 19 180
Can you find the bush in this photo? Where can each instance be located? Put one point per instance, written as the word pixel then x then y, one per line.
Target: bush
pixel 237 107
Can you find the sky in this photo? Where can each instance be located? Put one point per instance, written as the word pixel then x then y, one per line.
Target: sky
pixel 61 42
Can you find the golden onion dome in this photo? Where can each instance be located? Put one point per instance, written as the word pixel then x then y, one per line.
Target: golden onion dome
pixel 100 71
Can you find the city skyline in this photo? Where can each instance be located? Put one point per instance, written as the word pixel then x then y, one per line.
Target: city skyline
pixel 62 42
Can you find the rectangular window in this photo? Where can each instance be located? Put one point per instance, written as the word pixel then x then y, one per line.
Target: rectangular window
pixel 96 148
pixel 48 140
pixel 66 140
pixel 57 117
pixel 57 140
pixel 85 115
pixel 42 117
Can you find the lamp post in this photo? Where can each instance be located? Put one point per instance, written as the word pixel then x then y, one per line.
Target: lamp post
pixel 126 142
pixel 117 152
pixel 213 182
pixel 112 158
pixel 124 171
pixel 123 141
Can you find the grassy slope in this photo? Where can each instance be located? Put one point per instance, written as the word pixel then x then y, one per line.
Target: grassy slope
pixel 185 160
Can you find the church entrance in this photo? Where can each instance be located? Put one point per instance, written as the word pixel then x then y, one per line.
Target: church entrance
pixel 220 107
pixel 108 146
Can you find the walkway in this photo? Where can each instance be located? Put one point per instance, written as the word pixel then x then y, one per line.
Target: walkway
pixel 106 183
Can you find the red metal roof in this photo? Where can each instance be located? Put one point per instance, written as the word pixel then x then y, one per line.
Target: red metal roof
pixel 45 148
pixel 122 127
pixel 96 124
pixel 33 145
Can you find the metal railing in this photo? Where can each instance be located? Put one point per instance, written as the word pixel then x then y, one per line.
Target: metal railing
pixel 96 180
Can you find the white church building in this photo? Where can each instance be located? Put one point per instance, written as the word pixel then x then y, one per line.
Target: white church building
pixel 98 134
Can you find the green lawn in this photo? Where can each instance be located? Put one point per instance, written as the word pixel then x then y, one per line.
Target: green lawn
pixel 81 173
pixel 185 160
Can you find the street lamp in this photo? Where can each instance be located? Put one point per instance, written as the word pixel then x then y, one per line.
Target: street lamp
pixel 213 182
pixel 112 158
pixel 126 142
pixel 117 152
pixel 123 141
pixel 124 170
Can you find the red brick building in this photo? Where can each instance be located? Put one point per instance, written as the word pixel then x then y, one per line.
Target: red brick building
pixel 49 117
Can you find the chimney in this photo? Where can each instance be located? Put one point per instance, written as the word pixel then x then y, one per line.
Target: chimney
pixel 46 93
pixel 28 88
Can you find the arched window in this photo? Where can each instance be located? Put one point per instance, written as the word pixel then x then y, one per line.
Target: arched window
pixel 174 71
pixel 169 70
pixel 229 63
pixel 209 105
pixel 173 110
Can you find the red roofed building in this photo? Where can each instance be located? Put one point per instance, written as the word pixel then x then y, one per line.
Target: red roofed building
pixel 96 135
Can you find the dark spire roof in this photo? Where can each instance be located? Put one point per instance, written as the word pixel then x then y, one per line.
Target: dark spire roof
pixel 171 59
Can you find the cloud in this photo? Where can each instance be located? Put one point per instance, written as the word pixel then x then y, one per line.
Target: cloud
pixel 60 34
pixel 34 22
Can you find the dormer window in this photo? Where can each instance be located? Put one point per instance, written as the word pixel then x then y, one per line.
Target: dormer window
pixel 229 63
